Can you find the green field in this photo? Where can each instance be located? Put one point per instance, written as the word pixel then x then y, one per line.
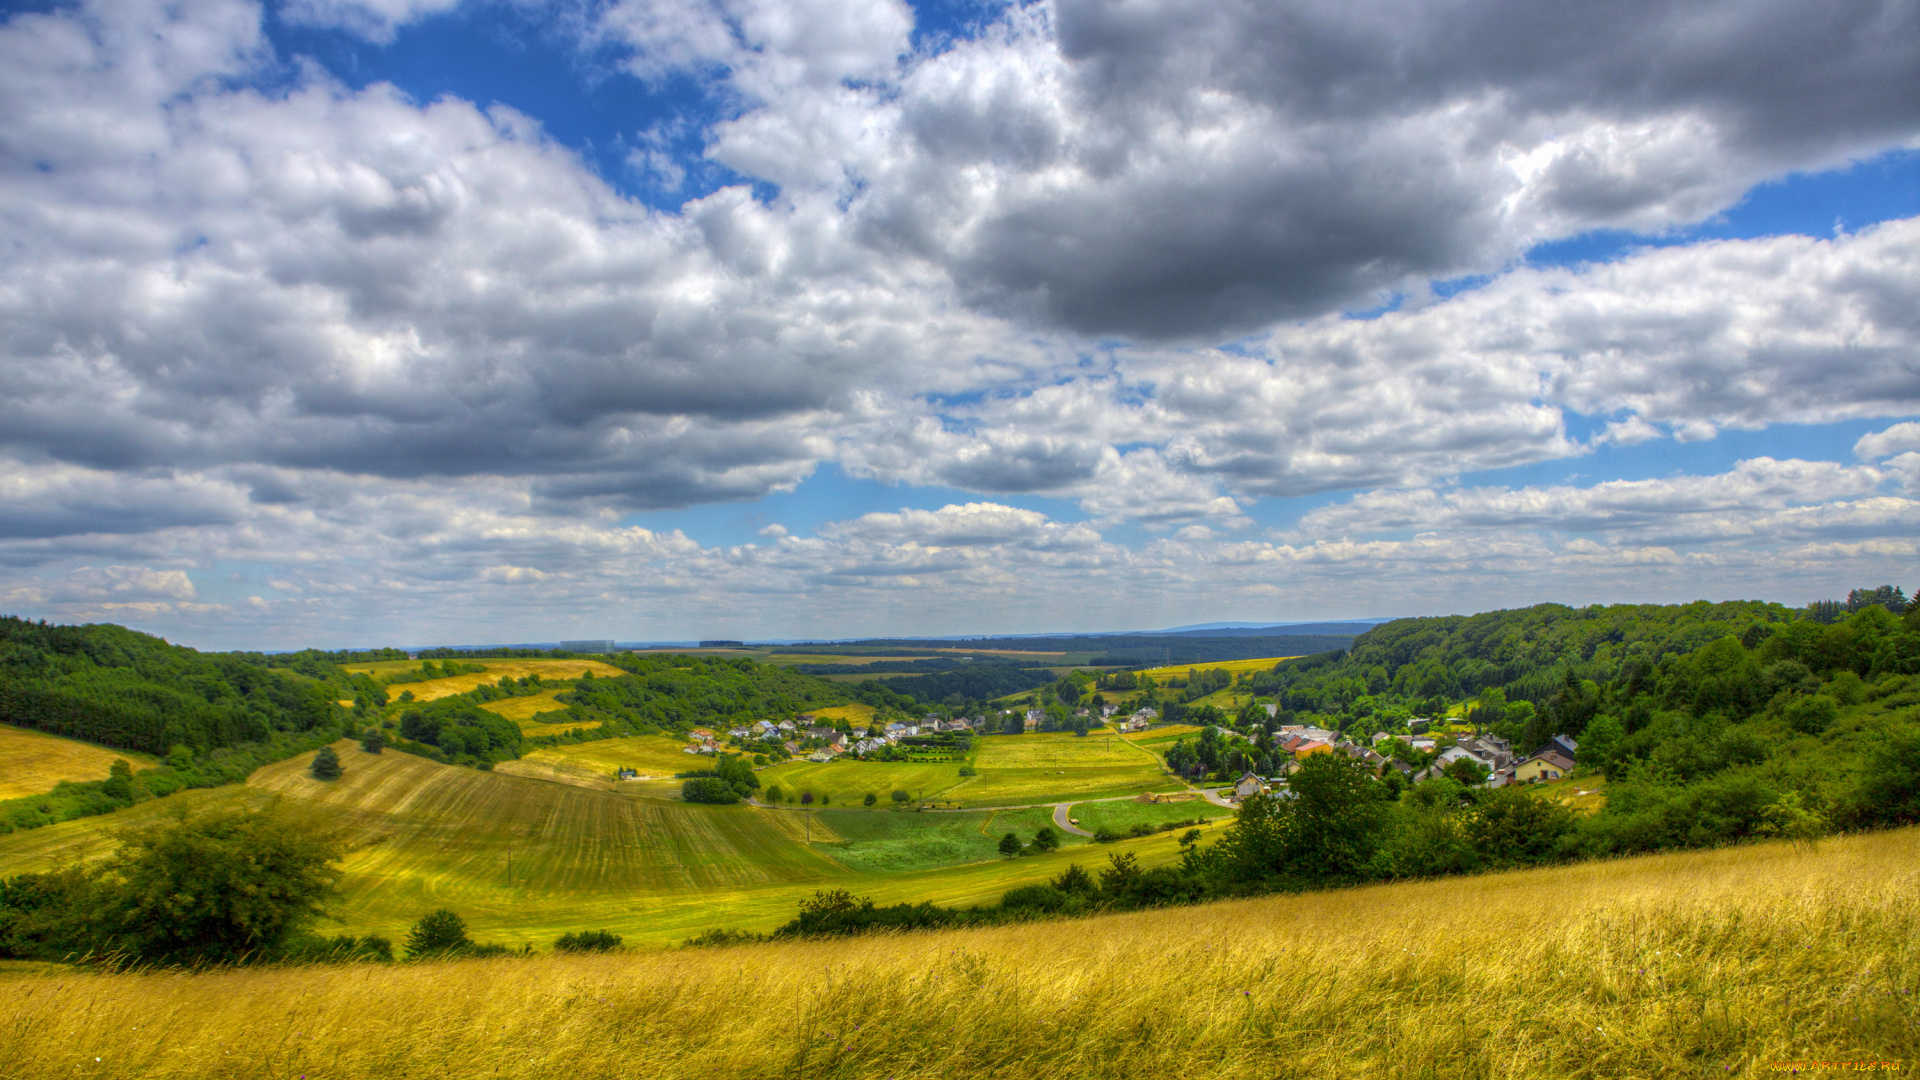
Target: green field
pixel 656 871
pixel 846 781
pixel 1124 814
pixel 889 842
pixel 1057 767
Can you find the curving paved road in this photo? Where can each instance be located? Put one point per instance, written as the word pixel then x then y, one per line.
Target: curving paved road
pixel 1060 819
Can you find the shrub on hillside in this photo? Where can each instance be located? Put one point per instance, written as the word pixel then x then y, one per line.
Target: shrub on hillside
pixel 709 789
pixel 587 941
pixel 326 764
pixel 438 933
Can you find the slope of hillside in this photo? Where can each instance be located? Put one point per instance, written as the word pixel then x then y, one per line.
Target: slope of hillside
pixel 428 835
pixel 32 763
pixel 1740 962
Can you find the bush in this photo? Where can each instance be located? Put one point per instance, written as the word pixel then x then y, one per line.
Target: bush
pixel 1046 839
pixel 438 933
pixel 709 789
pixel 1104 835
pixel 587 941
pixel 968 770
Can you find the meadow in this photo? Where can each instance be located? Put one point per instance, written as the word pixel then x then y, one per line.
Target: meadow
pixel 652 755
pixel 1179 671
pixel 1736 962
pixel 846 781
pixel 1059 767
pixel 655 870
pixel 32 762
pixel 894 842
pixel 1123 814
pixel 434 689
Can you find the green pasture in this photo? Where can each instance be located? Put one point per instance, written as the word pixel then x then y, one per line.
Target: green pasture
pixel 1124 814
pixel 890 842
pixel 846 781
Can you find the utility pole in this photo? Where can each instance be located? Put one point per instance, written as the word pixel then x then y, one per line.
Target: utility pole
pixel 509 866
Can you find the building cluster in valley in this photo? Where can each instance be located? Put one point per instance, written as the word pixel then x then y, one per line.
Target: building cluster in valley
pixel 806 737
pixel 1553 761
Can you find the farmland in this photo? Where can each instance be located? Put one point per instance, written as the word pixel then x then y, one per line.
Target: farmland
pixel 1179 671
pixel 891 842
pixel 1719 962
pixel 429 835
pixel 32 762
pixel 1123 814
pixel 846 781
pixel 434 689
pixel 652 755
pixel 1057 767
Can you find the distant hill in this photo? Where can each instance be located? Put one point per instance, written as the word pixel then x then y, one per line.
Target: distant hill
pixel 1117 649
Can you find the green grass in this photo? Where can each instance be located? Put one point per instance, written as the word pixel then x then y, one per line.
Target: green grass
pixel 1057 767
pixel 889 843
pixel 846 781
pixel 1125 813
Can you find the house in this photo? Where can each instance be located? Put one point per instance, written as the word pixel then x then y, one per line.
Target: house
pixel 1108 710
pixel 1380 737
pixel 1273 710
pixel 626 774
pixel 739 732
pixel 1311 746
pixel 1545 765
pixel 820 755
pixel 790 747
pixel 1033 719
pixel 896 728
pixel 764 726
pixel 1564 746
pixel 786 725
pixel 821 733
pixel 700 733
pixel 1247 785
pixel 1418 725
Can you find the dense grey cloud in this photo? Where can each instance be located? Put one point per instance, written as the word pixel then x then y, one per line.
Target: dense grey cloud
pixel 407 363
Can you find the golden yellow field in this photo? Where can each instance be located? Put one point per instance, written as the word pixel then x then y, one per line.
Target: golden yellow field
pixel 32 762
pixel 1171 671
pixel 653 755
pixel 855 714
pixel 434 689
pixel 1742 962
pixel 523 709
pixel 1168 732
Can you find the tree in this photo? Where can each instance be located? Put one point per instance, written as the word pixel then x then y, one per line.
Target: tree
pixel 709 789
pixel 1046 839
pixel 1467 772
pixel 1010 845
pixel 438 933
pixel 1189 838
pixel 901 796
pixel 326 764
pixel 870 799
pixel 373 741
pixel 222 887
pixel 119 783
pixel 774 794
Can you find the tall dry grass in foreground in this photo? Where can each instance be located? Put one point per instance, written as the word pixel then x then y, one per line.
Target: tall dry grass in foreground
pixel 1706 964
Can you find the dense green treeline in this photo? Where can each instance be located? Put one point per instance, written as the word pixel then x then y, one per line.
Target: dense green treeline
pixel 678 691
pixel 110 685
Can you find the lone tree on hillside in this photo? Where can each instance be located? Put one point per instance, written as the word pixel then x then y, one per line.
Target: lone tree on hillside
pixel 326 764
pixel 373 742
pixel 901 796
pixel 870 800
pixel 1046 839
pixel 1010 845
pixel 436 934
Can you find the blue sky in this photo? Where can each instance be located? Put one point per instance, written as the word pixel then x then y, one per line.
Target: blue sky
pixel 792 318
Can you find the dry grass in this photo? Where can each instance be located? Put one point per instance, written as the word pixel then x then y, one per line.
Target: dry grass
pixel 1702 964
pixel 32 762
pixel 856 714
pixel 654 756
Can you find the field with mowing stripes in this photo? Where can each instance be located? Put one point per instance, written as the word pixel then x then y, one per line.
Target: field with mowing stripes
pixel 652 755
pixel 1054 767
pixel 655 871
pixel 890 842
pixel 31 762
pixel 434 689
pixel 846 781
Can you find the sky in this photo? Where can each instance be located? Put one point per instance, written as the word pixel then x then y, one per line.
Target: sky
pixel 358 322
